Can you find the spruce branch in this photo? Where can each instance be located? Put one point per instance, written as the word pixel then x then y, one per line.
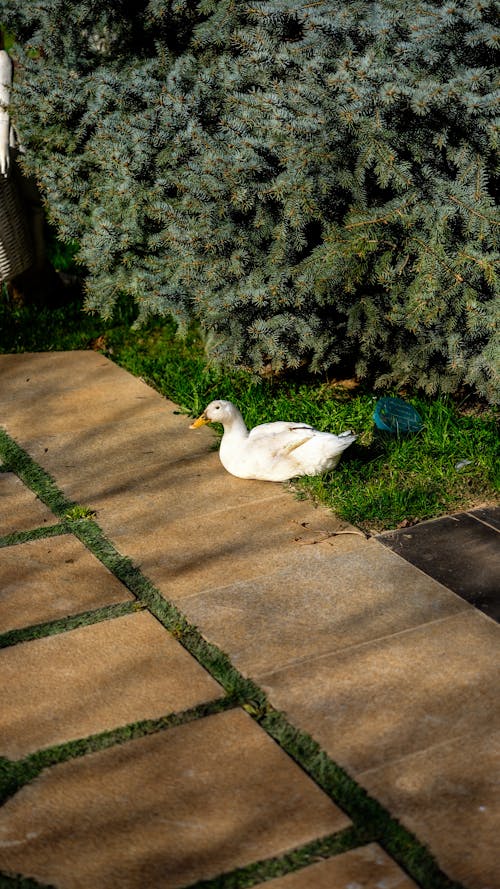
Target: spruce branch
pixel 474 212
pixel 386 217
pixel 459 278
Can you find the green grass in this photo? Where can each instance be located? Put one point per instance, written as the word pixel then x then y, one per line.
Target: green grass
pixel 381 481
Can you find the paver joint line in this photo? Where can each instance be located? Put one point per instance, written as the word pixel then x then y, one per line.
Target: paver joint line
pixel 46 531
pixel 483 521
pixel 63 625
pixel 360 645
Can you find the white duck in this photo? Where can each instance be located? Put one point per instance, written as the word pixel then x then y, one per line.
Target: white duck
pixel 273 452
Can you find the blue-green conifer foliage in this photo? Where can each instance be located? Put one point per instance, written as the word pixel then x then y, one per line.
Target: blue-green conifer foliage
pixel 314 183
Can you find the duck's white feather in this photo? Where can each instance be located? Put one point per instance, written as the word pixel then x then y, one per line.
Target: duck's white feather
pixel 273 451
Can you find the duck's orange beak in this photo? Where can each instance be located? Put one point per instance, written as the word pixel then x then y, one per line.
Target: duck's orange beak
pixel 201 421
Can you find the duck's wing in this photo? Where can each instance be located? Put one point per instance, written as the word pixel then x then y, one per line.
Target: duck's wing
pixel 279 439
pixel 279 427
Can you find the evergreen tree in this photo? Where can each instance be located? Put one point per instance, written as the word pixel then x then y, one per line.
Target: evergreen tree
pixel 309 181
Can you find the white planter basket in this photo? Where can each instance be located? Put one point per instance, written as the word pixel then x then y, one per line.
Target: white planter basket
pixel 16 254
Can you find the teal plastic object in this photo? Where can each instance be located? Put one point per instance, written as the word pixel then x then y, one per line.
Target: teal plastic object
pixel 396 416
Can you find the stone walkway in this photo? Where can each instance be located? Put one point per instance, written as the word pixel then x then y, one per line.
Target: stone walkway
pixel 200 686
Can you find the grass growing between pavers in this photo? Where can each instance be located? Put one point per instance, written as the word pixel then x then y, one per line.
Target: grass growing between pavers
pixel 72 622
pixel 15 774
pixel 382 480
pixel 18 461
pixel 371 822
pixel 36 534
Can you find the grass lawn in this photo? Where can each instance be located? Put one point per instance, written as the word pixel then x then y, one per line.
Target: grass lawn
pixel 382 480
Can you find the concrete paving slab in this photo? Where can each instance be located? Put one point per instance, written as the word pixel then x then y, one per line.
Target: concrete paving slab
pixel 104 434
pixel 449 796
pixel 94 678
pixel 20 509
pixel 186 556
pixel 365 868
pixel 78 390
pixel 133 468
pixel 164 811
pixel 297 613
pixel 51 578
pixel 459 551
pixel 372 704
